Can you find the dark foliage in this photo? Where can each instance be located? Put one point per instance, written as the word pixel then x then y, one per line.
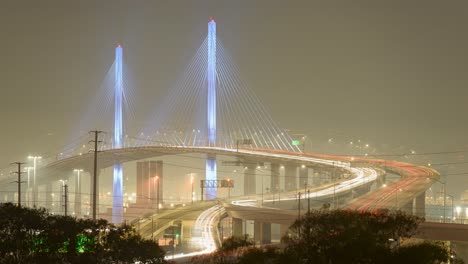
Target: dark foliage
pixel 339 236
pixel 33 236
pixel 234 242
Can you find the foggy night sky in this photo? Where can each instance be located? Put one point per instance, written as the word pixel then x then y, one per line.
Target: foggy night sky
pixel 392 72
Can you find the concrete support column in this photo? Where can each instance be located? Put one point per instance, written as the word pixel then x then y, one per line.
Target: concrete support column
pixel 262 233
pixel 420 205
pixel 317 177
pixel 77 206
pixel 237 227
pixel 284 230
pixel 408 207
pixel 303 177
pixel 275 174
pixel 249 180
pixel 381 180
pixel 290 178
pixel 149 183
pixel 48 196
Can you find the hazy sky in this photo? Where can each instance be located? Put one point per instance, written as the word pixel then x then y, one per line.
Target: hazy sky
pixel 385 72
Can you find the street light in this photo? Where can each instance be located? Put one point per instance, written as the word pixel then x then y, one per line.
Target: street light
pixel 229 188
pixel 34 158
pixel 28 193
pixel 445 198
pixel 156 179
pixel 451 198
pixel 458 210
pixel 191 183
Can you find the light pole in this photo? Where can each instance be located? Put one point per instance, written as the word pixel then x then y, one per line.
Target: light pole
pixel 157 193
pixel 229 188
pixel 445 198
pixel 334 186
pixel 458 210
pixel 34 158
pixel 78 192
pixel 28 192
pixel 262 189
pixel 451 199
pixel 191 183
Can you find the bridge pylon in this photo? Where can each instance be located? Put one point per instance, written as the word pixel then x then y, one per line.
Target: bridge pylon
pixel 211 173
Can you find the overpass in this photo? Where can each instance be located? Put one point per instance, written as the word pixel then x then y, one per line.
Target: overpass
pixel 212 113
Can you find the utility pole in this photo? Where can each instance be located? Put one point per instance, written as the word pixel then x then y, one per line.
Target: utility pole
pixel 94 194
pixel 299 205
pixel 445 203
pixel 19 180
pixel 308 201
pixel 299 210
pixel 65 198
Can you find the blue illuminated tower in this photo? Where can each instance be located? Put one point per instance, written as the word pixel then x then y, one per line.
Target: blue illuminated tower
pixel 211 106
pixel 117 201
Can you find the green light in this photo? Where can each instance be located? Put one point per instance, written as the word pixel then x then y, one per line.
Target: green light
pixel 84 243
pixel 296 143
pixel 177 235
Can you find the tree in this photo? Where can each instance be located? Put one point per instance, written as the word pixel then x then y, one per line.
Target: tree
pixel 235 242
pixel 34 236
pixel 341 236
pixel 425 252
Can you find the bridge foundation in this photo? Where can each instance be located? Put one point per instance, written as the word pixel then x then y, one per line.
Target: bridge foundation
pixel 249 180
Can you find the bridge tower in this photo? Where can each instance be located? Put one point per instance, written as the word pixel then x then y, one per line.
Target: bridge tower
pixel 211 107
pixel 117 201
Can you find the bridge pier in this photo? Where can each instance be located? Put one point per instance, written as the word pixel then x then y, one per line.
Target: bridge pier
pixel 303 176
pixel 408 207
pixel 420 205
pixel 77 207
pixel 48 196
pixel 237 225
pixel 249 180
pixel 275 177
pixel 381 180
pixel 290 179
pixel 262 233
pixel 283 229
pixel 149 185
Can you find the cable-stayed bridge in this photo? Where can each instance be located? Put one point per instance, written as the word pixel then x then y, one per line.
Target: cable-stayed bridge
pixel 211 112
